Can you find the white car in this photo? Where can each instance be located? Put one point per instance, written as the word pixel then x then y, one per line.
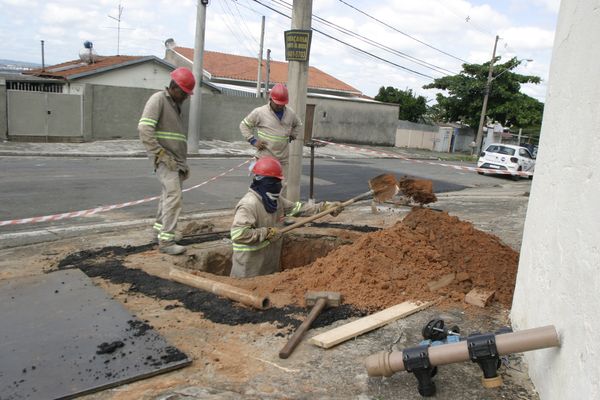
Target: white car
pixel 506 157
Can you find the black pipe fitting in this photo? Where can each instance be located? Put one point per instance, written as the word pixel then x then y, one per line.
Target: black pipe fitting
pixel 416 361
pixel 483 351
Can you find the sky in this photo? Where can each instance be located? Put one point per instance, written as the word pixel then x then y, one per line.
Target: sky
pixel 413 41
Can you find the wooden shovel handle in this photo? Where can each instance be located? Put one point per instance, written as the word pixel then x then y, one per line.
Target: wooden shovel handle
pixel 323 213
pixel 297 336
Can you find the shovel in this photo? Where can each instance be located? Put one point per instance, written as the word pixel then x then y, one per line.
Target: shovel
pixel 383 187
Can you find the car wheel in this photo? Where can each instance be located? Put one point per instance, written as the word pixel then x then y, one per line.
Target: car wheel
pixel 516 177
pixel 480 173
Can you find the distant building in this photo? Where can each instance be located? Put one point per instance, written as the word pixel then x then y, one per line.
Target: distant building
pixel 237 75
pixel 147 72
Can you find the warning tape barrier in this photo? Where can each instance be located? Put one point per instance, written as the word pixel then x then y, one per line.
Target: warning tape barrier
pixel 457 167
pixel 92 211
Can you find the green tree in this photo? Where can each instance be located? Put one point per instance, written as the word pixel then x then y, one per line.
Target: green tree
pixel 463 96
pixel 412 107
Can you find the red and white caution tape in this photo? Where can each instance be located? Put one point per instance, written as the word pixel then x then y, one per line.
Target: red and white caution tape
pixel 457 167
pixel 92 211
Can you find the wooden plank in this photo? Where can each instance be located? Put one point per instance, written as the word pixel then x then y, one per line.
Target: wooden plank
pixel 479 297
pixel 355 328
pixel 442 282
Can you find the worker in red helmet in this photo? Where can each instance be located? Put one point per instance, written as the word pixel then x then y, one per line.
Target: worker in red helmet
pixel 272 127
pixel 258 215
pixel 165 139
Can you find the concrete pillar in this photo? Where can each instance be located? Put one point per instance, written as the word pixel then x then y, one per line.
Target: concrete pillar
pixel 559 269
pixel 297 86
pixel 88 112
pixel 3 111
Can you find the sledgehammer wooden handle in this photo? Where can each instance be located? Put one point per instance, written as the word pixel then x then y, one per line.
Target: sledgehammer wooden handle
pixel 297 336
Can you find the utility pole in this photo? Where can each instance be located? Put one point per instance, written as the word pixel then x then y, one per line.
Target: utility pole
pixel 43 62
pixel 297 86
pixel 118 28
pixel 260 53
pixel 267 83
pixel 488 83
pixel 196 100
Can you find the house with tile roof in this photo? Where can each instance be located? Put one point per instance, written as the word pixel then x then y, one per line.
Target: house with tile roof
pixel 236 75
pixel 146 72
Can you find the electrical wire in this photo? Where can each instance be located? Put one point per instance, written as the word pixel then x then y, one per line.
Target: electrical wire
pixel 244 22
pixel 240 39
pixel 352 46
pixel 398 53
pixel 403 33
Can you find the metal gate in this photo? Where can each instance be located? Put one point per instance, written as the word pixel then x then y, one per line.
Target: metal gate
pixel 49 115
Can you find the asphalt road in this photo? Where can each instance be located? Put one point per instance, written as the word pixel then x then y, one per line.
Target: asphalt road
pixel 37 186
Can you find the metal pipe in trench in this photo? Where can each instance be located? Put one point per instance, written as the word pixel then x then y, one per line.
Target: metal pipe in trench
pixel 220 289
pixel 387 363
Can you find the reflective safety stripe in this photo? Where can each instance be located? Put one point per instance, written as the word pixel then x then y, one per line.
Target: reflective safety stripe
pixel 148 121
pixel 237 232
pixel 271 137
pixel 157 226
pixel 166 236
pixel 246 247
pixel 296 210
pixel 248 124
pixel 171 135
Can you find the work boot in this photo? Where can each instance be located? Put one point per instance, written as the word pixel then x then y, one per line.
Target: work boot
pixel 171 248
pixel 156 237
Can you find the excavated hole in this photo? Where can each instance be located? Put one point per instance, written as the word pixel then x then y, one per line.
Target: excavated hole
pixel 208 252
pixel 215 257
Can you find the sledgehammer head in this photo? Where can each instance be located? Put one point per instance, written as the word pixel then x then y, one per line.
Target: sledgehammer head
pixel 334 299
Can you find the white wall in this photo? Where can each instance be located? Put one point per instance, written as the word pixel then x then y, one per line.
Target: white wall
pixel 559 270
pixel 148 75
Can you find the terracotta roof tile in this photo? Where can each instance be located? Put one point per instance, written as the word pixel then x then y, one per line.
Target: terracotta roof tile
pixel 223 65
pixel 75 67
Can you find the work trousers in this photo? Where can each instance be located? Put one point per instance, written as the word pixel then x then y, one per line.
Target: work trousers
pixel 169 204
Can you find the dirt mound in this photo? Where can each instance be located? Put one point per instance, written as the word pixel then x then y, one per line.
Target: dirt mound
pixel 419 190
pixel 393 265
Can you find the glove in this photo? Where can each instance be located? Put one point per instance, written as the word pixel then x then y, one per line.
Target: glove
pixel 184 172
pixel 291 137
pixel 260 144
pixel 272 234
pixel 163 157
pixel 335 206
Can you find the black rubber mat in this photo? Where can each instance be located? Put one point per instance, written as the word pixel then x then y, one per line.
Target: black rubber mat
pixel 61 337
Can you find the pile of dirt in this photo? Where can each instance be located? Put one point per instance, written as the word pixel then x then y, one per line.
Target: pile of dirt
pixel 396 264
pixel 419 190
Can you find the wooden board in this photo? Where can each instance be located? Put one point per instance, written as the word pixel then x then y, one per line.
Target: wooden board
pixel 353 329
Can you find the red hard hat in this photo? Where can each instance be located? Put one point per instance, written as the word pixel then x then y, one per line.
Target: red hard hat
pixel 268 166
pixel 184 78
pixel 279 94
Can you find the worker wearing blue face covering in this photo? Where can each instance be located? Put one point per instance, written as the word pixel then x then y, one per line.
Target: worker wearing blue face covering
pixel 258 215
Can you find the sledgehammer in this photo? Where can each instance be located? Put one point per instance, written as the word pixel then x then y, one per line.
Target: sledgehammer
pixel 320 300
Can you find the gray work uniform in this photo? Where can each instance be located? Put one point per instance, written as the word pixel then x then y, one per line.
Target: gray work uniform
pixel 262 123
pixel 161 127
pixel 252 254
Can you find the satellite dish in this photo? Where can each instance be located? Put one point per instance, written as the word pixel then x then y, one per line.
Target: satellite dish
pixel 88 55
pixel 170 43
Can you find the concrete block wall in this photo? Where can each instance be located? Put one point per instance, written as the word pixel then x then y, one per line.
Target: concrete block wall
pixel 355 122
pixel 413 135
pixel 558 281
pixel 116 110
pixel 113 112
pixel 221 116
